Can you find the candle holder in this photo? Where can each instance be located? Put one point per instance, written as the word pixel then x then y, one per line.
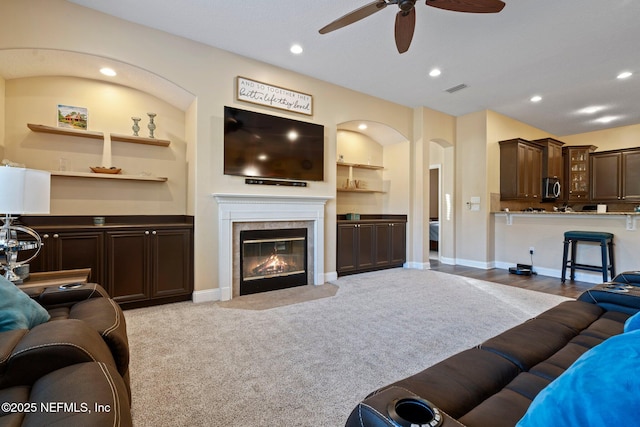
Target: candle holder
pixel 135 126
pixel 151 125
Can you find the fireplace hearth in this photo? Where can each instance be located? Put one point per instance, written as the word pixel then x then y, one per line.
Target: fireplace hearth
pixel 272 259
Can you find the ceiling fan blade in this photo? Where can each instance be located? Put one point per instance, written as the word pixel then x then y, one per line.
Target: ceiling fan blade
pixel 405 24
pixel 471 6
pixel 354 16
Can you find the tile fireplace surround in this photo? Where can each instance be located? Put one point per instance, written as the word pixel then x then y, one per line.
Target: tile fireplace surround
pixel 236 212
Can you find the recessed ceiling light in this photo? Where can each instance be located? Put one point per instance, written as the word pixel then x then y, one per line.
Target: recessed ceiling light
pixel 625 74
pixel 591 110
pixel 296 49
pixel 108 72
pixel 535 98
pixel 435 72
pixel 362 126
pixel 606 119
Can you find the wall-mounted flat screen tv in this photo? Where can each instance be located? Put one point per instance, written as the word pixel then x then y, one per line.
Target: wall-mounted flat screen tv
pixel 260 145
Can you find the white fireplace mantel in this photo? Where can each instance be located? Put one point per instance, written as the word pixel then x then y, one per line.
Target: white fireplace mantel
pixel 255 208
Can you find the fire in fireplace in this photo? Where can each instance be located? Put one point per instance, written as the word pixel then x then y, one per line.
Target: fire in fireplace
pixel 272 259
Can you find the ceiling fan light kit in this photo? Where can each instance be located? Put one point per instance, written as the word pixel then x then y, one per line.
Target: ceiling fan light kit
pixel 406 16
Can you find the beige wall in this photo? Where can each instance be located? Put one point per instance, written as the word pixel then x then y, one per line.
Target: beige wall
pixel 607 139
pixel 110 107
pixel 209 74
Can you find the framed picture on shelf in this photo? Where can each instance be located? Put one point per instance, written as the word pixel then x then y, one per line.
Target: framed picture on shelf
pixel 72 117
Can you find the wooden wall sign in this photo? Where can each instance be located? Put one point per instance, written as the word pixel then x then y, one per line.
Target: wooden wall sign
pixel 273 96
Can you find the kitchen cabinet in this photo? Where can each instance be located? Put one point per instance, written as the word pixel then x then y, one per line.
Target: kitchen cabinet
pixel 615 176
pixel 520 170
pixel 577 172
pixel 370 244
pixel 552 160
pixel 140 261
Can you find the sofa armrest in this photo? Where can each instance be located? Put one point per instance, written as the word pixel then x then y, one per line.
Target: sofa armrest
pixel 398 406
pixel 69 294
pixel 51 346
pixel 614 296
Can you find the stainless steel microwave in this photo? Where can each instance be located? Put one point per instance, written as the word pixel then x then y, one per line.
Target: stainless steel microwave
pixel 550 189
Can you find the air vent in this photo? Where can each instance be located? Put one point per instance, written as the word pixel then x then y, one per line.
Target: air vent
pixel 456 88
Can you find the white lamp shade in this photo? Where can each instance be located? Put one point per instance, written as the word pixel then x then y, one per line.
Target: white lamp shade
pixel 24 191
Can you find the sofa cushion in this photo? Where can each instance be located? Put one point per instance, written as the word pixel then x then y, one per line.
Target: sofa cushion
pixel 600 388
pixel 632 323
pixel 17 310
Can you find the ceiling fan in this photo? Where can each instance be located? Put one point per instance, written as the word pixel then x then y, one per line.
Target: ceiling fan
pixel 406 16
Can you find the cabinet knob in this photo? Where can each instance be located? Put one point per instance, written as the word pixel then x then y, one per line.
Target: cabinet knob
pixel 146 232
pixel 154 232
pixel 55 236
pixel 45 236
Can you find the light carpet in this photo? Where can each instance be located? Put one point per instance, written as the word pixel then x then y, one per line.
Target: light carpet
pixel 310 363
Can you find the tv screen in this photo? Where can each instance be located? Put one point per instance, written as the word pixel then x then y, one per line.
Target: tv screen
pixel 260 145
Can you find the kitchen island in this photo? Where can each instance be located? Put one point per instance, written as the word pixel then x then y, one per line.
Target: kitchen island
pixel 516 232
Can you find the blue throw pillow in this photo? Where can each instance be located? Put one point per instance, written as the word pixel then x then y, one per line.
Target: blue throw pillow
pixel 600 389
pixel 632 323
pixel 17 310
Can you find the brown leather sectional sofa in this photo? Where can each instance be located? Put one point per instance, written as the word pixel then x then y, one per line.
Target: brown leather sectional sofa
pixel 72 370
pixel 494 383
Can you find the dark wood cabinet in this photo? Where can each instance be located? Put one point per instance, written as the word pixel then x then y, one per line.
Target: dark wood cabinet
pixel 520 170
pixel 64 250
pixel 577 172
pixel 148 263
pixel 138 265
pixel 615 176
pixel 606 176
pixel 552 160
pixel 370 244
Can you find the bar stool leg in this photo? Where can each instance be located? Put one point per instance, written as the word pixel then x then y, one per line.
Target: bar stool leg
pixel 605 265
pixel 574 247
pixel 564 260
pixel 613 264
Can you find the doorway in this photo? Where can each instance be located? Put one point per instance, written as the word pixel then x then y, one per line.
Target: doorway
pixel 434 212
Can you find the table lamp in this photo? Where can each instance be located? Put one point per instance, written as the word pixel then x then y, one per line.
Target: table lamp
pixel 24 191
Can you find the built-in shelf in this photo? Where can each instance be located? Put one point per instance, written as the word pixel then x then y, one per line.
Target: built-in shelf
pixel 360 166
pixel 358 190
pixel 98 135
pixel 109 176
pixel 140 140
pixel 65 131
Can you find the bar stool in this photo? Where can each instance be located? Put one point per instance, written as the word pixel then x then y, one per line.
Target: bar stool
pixel 573 237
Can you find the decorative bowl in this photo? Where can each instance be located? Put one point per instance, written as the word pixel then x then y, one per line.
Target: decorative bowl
pixel 100 169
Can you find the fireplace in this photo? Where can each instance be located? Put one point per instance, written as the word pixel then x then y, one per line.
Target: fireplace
pixel 239 212
pixel 272 259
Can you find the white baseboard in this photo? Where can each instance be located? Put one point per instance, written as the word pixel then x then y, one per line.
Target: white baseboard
pixel 207 295
pixel 581 276
pixel 417 265
pixel 475 264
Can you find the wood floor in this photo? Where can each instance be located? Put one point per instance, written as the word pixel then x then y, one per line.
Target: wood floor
pixel 550 285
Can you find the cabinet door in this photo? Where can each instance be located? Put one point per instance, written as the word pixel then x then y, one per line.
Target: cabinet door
pixel 398 243
pixel 127 265
pixel 170 262
pixel 605 176
pixel 382 244
pixel 346 259
pixel 534 172
pixel 577 174
pixel 366 246
pixel 522 181
pixel 631 175
pixel 71 250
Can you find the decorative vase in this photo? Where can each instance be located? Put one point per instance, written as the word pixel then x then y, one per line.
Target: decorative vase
pixel 135 126
pixel 151 125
